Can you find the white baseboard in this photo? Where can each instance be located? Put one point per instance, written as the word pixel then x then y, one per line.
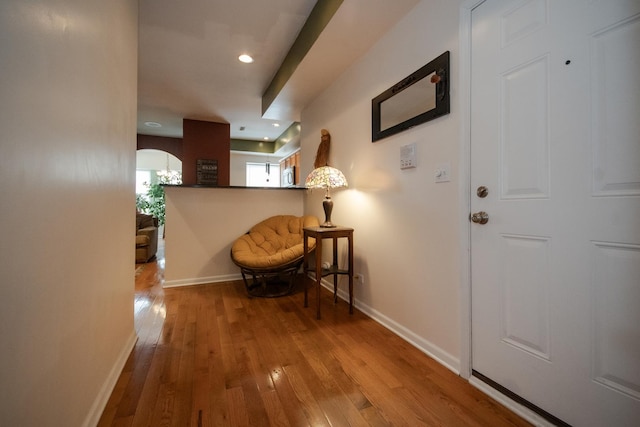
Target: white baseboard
pixel 433 351
pixel 201 280
pixel 107 388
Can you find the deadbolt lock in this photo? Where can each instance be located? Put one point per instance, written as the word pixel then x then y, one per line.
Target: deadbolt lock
pixel 482 191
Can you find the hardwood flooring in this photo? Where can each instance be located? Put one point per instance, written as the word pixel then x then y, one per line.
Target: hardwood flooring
pixel 210 356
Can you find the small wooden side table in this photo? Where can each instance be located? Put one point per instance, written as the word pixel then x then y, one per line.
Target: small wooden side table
pixel 320 233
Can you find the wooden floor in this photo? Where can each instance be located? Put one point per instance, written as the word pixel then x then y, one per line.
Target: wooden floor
pixel 209 356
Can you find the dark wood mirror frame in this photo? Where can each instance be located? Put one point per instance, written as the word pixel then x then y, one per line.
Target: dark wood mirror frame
pixel 418 98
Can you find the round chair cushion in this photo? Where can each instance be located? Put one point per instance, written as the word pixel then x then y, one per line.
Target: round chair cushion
pixel 273 243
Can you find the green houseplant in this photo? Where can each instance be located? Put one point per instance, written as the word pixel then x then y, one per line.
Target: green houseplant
pixel 153 201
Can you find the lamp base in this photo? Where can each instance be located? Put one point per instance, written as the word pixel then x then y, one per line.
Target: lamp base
pixel 328 225
pixel 327 205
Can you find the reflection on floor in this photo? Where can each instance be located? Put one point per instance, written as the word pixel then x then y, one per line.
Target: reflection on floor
pixel 209 355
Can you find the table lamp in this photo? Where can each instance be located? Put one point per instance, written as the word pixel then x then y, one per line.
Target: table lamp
pixel 326 177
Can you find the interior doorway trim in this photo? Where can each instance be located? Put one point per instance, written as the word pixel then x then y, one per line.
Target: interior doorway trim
pixel 464 100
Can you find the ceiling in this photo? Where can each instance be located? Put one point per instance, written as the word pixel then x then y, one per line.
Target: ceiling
pixel 188 63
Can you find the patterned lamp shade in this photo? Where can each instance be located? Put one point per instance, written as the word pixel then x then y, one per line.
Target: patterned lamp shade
pixel 326 177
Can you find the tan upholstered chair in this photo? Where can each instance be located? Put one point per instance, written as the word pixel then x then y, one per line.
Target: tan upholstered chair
pixel 271 252
pixel 146 237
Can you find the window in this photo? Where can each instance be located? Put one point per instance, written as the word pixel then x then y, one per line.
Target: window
pixel 143 179
pixel 257 175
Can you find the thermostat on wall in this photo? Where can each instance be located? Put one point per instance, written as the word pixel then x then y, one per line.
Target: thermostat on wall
pixel 408 156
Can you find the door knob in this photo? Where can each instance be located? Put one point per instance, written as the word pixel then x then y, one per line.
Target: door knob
pixel 480 217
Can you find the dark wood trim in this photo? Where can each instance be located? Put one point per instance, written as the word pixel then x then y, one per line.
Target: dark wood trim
pixel 162 143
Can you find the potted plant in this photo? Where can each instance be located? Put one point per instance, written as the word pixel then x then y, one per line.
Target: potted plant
pixel 153 201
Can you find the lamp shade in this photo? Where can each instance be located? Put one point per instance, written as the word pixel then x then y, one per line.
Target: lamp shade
pixel 325 177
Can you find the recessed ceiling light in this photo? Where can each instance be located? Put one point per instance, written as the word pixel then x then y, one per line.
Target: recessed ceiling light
pixel 266 138
pixel 276 125
pixel 152 124
pixel 245 58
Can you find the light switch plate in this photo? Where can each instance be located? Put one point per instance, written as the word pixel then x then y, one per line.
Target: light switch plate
pixel 408 156
pixel 443 172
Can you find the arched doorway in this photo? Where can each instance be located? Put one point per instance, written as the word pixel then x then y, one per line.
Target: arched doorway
pixel 155 167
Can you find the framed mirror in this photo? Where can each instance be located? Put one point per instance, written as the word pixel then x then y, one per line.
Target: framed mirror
pixel 418 98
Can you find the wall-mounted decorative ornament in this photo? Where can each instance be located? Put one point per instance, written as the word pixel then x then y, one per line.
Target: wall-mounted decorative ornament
pixel 322 156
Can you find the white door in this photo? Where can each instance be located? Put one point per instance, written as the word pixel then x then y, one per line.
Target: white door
pixel 556 141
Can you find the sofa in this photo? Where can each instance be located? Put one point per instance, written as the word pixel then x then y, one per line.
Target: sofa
pixel 146 237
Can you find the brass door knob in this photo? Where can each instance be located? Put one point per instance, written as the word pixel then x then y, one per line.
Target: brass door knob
pixel 480 217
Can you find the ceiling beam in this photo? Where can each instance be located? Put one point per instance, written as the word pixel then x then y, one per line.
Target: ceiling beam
pixel 320 16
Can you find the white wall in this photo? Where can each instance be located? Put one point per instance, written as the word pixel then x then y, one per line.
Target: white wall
pixel 238 170
pixel 406 226
pixel 156 160
pixel 203 223
pixel 67 167
pixel 238 166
